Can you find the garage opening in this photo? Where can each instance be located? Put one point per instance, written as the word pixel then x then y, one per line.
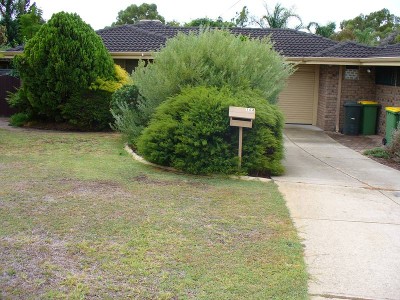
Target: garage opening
pixel 298 100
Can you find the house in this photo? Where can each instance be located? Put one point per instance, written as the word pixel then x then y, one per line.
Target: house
pixel 328 72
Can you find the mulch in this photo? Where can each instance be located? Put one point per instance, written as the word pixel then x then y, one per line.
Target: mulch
pixel 360 143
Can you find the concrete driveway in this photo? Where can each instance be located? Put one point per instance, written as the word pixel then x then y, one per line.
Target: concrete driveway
pixel 346 207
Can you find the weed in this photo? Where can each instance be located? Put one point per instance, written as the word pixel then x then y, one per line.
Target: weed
pixel 377 152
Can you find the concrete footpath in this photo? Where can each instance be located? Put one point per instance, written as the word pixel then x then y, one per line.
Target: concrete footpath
pixel 346 208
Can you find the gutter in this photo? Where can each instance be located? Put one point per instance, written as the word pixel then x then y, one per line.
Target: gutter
pixel 132 55
pixel 10 54
pixel 114 55
pixel 370 61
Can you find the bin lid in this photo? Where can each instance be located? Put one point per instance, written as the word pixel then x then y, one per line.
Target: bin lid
pixel 368 102
pixel 393 109
pixel 351 103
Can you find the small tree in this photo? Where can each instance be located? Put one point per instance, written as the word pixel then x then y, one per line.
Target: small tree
pixel 63 59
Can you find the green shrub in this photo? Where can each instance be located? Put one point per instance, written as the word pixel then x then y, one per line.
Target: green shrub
pixel 394 147
pixel 210 58
pixel 89 110
pixel 128 94
pixel 19 100
pixel 19 119
pixel 377 152
pixel 127 121
pixel 124 109
pixel 62 60
pixel 191 132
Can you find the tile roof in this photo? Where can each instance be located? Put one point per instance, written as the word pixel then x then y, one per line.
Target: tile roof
pixel 130 38
pixel 389 51
pixel 348 49
pixel 149 36
pixel 17 48
pixel 289 42
pixel 152 35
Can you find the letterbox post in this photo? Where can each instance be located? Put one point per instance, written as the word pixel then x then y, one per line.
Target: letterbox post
pixel 240 146
pixel 241 117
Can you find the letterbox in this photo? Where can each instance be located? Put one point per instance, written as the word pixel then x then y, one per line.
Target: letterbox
pixel 242 116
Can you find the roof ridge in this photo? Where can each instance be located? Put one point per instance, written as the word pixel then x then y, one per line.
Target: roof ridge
pixel 157 34
pixel 108 28
pixel 341 45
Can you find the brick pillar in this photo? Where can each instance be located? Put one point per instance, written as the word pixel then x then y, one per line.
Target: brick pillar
pixel 327 97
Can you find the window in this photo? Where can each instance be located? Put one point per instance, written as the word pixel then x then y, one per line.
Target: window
pixel 351 73
pixel 388 76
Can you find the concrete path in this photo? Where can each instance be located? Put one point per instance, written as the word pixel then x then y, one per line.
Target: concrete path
pixel 346 207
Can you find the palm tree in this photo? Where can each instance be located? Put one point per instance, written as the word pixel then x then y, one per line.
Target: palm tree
pixel 367 36
pixel 278 18
pixel 326 31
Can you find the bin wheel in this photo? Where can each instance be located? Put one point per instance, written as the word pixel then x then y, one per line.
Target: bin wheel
pixel 384 141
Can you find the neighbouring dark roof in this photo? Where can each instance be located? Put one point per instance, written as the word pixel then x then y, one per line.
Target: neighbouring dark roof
pixel 348 49
pixel 148 36
pixel 17 48
pixel 289 42
pixel 129 38
pixel 389 51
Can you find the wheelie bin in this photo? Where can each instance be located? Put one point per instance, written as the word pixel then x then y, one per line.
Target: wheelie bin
pixel 352 118
pixel 369 117
pixel 392 122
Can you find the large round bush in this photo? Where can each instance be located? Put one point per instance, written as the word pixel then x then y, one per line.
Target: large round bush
pixel 191 132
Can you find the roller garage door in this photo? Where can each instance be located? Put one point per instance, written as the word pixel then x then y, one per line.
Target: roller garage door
pixel 297 100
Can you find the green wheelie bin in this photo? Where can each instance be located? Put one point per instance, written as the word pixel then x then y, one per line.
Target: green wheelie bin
pixel 392 122
pixel 352 118
pixel 369 116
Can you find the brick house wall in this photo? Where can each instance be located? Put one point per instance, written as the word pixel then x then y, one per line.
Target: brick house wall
pixel 327 95
pixel 386 96
pixel 355 88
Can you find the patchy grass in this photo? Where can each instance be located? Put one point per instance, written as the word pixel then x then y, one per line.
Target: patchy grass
pixel 81 220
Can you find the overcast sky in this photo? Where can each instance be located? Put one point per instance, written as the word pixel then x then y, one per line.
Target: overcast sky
pixel 101 13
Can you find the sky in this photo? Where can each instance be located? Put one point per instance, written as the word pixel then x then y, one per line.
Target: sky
pixel 101 13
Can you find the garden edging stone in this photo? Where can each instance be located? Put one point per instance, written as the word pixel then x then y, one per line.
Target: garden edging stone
pixel 143 161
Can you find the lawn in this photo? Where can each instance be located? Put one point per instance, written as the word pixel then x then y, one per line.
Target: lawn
pixel 80 219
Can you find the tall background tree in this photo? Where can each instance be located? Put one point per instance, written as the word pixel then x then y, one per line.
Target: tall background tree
pixel 369 29
pixel 323 30
pixel 219 22
pixel 3 35
pixel 10 13
pixel 30 23
pixel 134 13
pixel 279 17
pixel 242 18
